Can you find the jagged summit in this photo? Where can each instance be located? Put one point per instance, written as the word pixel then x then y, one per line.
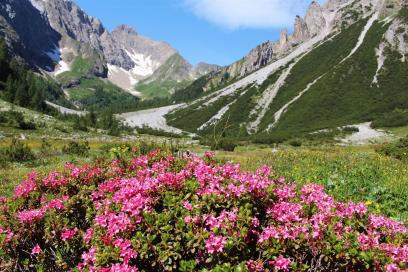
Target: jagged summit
pixel 62 32
pixel 126 29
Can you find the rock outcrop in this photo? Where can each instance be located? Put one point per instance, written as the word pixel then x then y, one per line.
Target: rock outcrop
pixel 315 19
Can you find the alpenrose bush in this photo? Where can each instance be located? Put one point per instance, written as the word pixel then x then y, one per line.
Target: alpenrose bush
pixel 161 213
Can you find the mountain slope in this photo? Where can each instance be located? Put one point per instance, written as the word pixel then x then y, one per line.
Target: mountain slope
pixel 63 35
pixel 349 67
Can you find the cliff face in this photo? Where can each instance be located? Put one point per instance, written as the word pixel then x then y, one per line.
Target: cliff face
pixel 35 44
pixel 60 32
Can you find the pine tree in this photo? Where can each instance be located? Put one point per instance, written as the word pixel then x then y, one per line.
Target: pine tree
pixel 3 61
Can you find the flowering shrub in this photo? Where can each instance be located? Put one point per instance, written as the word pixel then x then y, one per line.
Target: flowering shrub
pixel 161 213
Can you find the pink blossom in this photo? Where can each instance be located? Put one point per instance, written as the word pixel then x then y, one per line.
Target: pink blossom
pixel 215 244
pixel 54 179
pixel 255 266
pixel 122 268
pixel 56 204
pixel 126 251
pixel 68 234
pixel 89 257
pixel 392 268
pixel 286 212
pixel 282 263
pixel 187 205
pixel 36 250
pixel 285 193
pixel 30 216
pixel 27 186
pixel 88 235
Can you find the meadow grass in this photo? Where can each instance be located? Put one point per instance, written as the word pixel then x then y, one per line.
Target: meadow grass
pixel 349 173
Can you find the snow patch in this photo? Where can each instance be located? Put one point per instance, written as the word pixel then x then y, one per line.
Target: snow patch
pixel 387 20
pixel 143 64
pixel 123 78
pixel 62 68
pixel 364 135
pixel 153 118
pixel 280 112
pixel 217 117
pixel 38 5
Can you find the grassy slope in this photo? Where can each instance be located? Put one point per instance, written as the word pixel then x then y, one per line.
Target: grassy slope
pixel 313 65
pixel 161 89
pixel 93 91
pixel 192 117
pixel 97 93
pixel 240 112
pixel 350 173
pixel 161 83
pixel 346 96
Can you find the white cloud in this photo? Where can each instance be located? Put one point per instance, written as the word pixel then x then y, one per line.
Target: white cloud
pixel 233 14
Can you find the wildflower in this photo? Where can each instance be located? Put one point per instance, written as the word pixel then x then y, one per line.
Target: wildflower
pixel 68 234
pixel 27 186
pixel 30 216
pixel 187 205
pixel 88 235
pixel 215 244
pixel 282 263
pixel 255 266
pixel 56 204
pixel 286 212
pixel 36 250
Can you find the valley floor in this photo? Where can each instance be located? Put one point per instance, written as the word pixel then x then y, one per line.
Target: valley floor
pixel 357 173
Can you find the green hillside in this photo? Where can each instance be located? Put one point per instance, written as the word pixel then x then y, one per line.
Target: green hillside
pixel 344 94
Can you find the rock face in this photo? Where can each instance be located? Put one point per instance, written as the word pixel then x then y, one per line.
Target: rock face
pixel 301 32
pixel 203 68
pixel 36 44
pixel 397 37
pixel 314 19
pixel 60 31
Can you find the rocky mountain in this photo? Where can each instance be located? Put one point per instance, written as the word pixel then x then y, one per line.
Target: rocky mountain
pixel 67 43
pixel 344 63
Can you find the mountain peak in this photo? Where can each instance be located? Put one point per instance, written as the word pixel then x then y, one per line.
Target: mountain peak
pixel 126 29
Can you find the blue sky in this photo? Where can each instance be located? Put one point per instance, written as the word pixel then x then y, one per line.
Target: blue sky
pixel 213 31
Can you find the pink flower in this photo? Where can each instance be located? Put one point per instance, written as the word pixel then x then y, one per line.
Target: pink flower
pixel 27 186
pixel 30 216
pixel 255 266
pixel 286 212
pixel 392 268
pixel 122 268
pixel 36 250
pixel 285 192
pixel 88 235
pixel 54 179
pixel 187 205
pixel 89 257
pixel 282 263
pixel 56 204
pixel 126 251
pixel 215 244
pixel 68 234
pixel 255 222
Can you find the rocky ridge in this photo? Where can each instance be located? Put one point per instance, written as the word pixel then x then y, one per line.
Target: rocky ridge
pixel 64 32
